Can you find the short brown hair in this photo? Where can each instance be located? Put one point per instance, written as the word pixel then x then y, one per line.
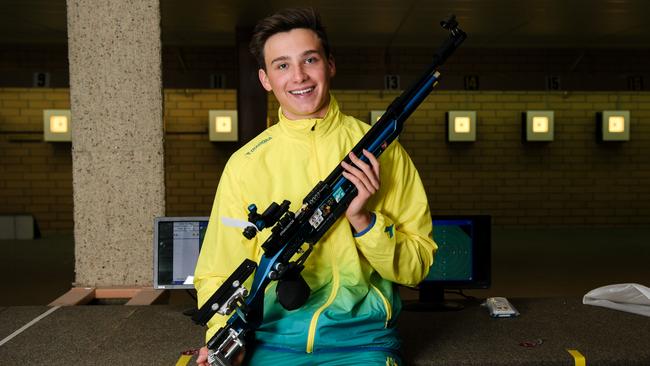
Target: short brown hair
pixel 284 21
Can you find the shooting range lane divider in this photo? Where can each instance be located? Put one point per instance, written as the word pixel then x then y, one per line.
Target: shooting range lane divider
pixel 24 327
pixel 577 357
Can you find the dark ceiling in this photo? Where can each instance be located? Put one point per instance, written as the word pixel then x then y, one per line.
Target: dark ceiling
pixel 384 23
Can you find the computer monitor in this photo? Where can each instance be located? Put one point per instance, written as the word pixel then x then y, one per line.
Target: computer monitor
pixel 463 260
pixel 176 245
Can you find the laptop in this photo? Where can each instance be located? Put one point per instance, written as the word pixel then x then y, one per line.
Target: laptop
pixel 176 245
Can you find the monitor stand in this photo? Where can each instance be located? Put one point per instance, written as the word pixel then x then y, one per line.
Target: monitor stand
pixel 432 299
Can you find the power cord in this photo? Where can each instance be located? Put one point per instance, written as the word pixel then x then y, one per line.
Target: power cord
pixel 462 294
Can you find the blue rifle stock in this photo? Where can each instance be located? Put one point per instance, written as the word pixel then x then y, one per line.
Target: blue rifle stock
pixel 292 231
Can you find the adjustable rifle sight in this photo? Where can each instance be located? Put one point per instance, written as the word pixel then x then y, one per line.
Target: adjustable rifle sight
pixel 268 218
pixel 449 23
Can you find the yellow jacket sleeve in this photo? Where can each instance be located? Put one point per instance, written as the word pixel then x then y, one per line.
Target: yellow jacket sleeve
pixel 399 245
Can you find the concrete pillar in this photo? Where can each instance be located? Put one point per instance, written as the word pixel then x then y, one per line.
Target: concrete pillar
pixel 117 138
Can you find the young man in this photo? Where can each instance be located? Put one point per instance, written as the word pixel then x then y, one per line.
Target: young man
pixel 383 239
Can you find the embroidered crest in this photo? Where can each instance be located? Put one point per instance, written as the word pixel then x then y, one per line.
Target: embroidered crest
pixel 389 230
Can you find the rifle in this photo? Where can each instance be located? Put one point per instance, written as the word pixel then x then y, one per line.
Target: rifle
pixel 291 231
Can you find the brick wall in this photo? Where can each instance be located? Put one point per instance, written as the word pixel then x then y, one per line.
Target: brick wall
pixel 35 176
pixel 193 164
pixel 573 180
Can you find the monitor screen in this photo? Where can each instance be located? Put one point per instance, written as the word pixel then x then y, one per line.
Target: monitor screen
pixel 177 242
pixel 453 260
pixel 462 261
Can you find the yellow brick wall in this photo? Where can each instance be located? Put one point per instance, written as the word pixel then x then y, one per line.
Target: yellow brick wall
pixel 193 164
pixel 573 180
pixel 35 176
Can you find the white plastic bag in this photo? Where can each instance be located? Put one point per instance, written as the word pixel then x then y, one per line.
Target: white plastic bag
pixel 630 297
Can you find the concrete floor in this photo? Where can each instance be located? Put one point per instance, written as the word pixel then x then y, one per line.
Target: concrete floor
pixel 560 263
pixel 525 263
pixel 156 335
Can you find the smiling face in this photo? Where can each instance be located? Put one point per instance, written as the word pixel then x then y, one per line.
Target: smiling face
pixel 298 73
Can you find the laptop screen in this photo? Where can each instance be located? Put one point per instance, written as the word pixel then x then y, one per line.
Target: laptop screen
pixel 177 243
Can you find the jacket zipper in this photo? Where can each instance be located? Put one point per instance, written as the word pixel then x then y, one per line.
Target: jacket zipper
pixel 314 320
pixel 311 335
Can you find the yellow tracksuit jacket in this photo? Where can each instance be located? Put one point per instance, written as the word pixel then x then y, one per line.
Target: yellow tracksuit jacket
pixel 353 304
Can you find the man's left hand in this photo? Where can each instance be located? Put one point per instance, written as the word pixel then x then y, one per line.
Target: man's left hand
pixel 366 178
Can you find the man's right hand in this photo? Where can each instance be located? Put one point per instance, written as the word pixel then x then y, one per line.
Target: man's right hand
pixel 202 359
